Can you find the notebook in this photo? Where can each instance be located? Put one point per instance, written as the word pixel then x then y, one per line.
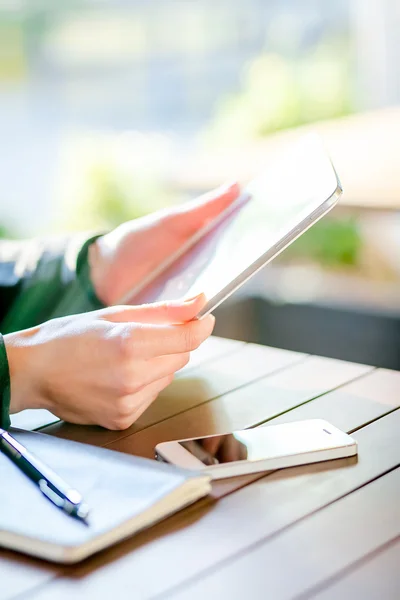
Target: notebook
pixel 125 493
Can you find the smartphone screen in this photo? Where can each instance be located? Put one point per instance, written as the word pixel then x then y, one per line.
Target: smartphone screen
pixel 269 442
pixel 293 186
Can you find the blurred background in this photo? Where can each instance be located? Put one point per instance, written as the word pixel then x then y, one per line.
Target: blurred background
pixel 112 109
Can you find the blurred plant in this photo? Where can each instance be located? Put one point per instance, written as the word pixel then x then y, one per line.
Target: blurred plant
pixel 331 242
pixel 6 232
pixel 108 179
pixel 279 93
pixel 12 58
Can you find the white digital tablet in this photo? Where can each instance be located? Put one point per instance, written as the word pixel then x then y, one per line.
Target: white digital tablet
pixel 298 188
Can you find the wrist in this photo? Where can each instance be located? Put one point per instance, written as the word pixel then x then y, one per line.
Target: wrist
pixel 22 386
pixel 97 274
pixel 4 387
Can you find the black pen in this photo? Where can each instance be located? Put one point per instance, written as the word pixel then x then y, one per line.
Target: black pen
pixel 51 485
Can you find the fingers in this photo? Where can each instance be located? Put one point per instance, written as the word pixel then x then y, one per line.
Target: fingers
pixel 162 366
pixel 225 447
pixel 157 313
pixel 135 377
pixel 146 340
pixel 199 452
pixel 156 340
pixel 212 443
pixel 131 407
pixel 230 450
pixel 195 214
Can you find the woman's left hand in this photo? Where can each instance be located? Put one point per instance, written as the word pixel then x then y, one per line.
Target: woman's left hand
pixel 121 259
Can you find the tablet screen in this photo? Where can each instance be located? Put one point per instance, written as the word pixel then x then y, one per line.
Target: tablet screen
pixel 292 187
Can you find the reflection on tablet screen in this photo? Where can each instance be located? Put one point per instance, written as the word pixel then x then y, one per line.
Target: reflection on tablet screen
pixel 272 205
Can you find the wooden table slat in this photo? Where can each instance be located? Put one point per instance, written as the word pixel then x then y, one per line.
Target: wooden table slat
pixel 364 400
pixel 19 575
pixel 264 399
pixel 313 550
pixel 375 578
pixel 191 543
pixel 221 376
pixel 33 419
pixel 214 347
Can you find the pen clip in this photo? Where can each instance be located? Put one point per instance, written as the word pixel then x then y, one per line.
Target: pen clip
pixel 50 494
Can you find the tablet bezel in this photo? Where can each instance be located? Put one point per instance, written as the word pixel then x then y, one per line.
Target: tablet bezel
pixel 274 251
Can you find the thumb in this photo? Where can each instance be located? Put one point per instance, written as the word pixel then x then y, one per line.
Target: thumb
pixel 196 213
pixel 157 313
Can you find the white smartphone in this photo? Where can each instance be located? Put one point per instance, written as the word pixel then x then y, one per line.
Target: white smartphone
pixel 298 188
pixel 260 449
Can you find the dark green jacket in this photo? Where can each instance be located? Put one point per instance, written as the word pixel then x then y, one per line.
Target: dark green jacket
pixel 40 280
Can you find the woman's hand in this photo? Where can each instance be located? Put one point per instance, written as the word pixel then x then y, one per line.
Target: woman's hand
pixel 123 258
pixel 105 367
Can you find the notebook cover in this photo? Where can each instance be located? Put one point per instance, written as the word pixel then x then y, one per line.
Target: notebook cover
pixel 116 487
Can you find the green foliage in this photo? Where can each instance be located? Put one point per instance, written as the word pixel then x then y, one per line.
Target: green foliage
pixel 331 242
pixel 109 203
pixel 5 232
pixel 279 93
pixel 112 201
pixel 106 181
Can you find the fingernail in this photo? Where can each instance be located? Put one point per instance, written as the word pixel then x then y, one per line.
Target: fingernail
pixel 192 300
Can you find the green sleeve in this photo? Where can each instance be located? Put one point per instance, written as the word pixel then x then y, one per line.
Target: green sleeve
pixel 41 280
pixel 4 387
pixel 46 279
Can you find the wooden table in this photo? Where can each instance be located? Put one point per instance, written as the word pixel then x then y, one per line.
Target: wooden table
pixel 324 531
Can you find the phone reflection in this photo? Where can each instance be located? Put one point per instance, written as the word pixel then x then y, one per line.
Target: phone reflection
pixel 217 449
